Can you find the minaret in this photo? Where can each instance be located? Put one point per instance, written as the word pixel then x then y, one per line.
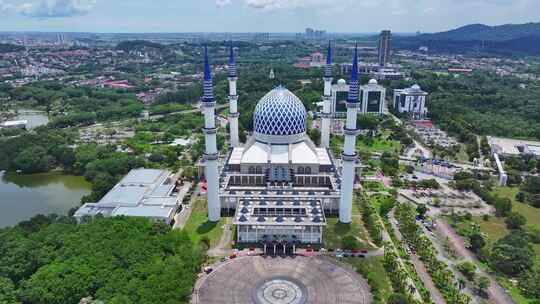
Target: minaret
pixel 211 153
pixel 233 100
pixel 327 100
pixel 349 150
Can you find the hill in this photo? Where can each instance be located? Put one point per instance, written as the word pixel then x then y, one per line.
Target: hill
pixel 488 33
pixel 138 45
pixel 508 39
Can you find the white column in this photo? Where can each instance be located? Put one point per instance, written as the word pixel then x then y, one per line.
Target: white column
pixel 326 119
pixel 233 112
pixel 348 159
pixel 211 159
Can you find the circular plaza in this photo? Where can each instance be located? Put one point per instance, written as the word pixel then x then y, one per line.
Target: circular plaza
pixel 268 280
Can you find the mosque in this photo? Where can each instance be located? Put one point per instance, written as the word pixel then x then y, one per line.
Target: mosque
pixel 279 185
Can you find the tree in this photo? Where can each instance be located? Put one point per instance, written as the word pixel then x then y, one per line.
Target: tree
pixel 468 269
pixel 421 210
pixel 532 184
pixel 32 160
pixel 482 284
pixel 529 283
pixel 315 135
pixel 521 196
pixel 515 220
pixel 398 298
pixel 112 260
pixel 8 294
pixel 503 206
pixel 477 241
pixel 349 242
pixel 513 254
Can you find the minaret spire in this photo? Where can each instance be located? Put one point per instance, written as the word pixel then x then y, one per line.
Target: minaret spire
pixel 327 100
pixel 208 89
pixel 328 67
pixel 211 153
pixel 233 100
pixel 232 62
pixel 349 149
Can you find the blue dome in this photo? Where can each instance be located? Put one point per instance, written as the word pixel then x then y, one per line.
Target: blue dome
pixel 280 112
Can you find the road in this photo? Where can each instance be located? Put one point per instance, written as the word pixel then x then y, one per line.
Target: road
pixel 495 291
pixel 421 270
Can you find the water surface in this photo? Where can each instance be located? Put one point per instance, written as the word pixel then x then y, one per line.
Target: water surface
pixel 24 196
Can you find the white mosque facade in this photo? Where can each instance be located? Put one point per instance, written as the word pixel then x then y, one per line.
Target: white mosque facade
pixel 279 185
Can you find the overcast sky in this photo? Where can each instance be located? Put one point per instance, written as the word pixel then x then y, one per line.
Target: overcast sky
pixel 259 15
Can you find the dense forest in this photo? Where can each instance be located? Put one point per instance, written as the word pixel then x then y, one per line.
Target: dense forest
pixel 116 260
pixel 72 106
pixel 483 104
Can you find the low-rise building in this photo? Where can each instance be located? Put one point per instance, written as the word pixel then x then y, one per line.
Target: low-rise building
pixel 149 193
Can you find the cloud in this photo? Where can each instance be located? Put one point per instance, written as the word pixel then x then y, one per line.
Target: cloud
pixel 48 8
pixel 277 4
pixel 222 3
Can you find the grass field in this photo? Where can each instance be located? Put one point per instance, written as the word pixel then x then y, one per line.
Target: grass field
pixel 372 269
pixel 530 213
pixel 198 225
pixel 379 144
pixel 334 232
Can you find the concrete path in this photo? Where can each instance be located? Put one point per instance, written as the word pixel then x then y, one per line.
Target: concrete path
pixel 221 248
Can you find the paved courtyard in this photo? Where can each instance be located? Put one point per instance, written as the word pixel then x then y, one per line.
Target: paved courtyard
pixel 293 280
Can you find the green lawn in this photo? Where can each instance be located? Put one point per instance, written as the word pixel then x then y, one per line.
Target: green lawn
pixel 379 144
pixel 373 271
pixel 198 225
pixel 334 232
pixel 530 213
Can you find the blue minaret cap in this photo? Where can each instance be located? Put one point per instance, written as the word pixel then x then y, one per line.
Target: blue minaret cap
pixel 328 67
pixel 354 72
pixel 232 62
pixel 329 55
pixel 354 84
pixel 207 84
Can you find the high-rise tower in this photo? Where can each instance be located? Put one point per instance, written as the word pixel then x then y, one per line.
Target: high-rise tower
pixel 233 100
pixel 384 47
pixel 349 150
pixel 327 100
pixel 211 153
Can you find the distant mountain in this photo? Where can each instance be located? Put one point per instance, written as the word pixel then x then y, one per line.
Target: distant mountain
pixel 508 39
pixel 485 32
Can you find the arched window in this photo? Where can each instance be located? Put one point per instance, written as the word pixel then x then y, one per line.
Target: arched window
pixel 308 170
pixel 258 170
pixel 300 170
pixel 251 170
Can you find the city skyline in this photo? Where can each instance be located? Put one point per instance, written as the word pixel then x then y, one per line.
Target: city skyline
pixel 347 16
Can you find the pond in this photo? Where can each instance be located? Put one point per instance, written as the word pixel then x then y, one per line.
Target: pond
pixel 35 118
pixel 24 196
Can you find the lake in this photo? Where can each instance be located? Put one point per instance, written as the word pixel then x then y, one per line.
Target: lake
pixel 35 118
pixel 24 196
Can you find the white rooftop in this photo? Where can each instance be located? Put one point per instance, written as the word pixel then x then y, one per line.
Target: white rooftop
pixel 511 146
pixel 142 192
pixel 298 153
